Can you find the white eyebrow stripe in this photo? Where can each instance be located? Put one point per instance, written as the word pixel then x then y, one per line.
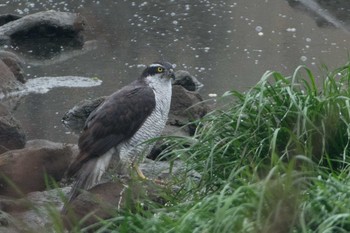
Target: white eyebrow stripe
pixel 155 65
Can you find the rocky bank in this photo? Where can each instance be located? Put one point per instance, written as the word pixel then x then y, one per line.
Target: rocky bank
pixel 32 173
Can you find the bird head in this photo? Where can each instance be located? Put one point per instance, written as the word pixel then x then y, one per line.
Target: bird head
pixel 159 70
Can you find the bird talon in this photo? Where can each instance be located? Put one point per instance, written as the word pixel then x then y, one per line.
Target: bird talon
pixel 160 182
pixel 139 172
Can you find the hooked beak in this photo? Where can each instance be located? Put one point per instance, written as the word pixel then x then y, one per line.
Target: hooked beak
pixel 171 74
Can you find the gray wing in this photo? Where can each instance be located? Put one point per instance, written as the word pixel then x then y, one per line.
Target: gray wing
pixel 113 122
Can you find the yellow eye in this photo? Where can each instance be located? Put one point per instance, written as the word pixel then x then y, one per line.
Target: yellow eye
pixel 160 69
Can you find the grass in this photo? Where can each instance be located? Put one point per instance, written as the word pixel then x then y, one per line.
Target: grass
pixel 275 159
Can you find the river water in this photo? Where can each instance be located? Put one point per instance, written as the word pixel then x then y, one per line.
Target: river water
pixel 226 44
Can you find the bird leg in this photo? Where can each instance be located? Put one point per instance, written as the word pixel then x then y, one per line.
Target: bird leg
pixel 139 172
pixel 143 177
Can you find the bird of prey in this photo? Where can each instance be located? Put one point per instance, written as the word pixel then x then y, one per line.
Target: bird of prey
pixel 121 124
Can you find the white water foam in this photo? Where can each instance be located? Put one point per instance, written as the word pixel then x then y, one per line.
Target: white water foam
pixel 43 85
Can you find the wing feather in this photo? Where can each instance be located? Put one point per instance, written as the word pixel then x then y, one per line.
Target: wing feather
pixel 113 122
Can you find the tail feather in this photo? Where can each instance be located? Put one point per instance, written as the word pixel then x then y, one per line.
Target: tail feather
pixel 89 175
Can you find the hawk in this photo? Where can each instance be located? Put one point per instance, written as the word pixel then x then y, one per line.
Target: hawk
pixel 122 124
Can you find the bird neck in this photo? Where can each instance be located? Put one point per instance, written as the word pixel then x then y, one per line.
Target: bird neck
pixel 158 84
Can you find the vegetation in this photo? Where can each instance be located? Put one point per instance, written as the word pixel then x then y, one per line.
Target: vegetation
pixel 275 160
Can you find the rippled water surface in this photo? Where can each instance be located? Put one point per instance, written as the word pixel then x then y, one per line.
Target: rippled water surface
pixel 225 44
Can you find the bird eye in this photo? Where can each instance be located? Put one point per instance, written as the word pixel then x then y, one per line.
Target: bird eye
pixel 160 69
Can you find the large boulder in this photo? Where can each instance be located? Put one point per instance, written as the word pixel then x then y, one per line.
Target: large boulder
pixel 103 200
pixel 34 167
pixel 34 211
pixel 11 134
pixel 46 24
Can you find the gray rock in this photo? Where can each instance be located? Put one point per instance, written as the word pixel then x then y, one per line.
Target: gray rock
pixel 43 24
pixel 325 14
pixel 32 213
pixel 4 19
pixel 186 80
pixel 75 118
pixel 165 171
pixel 14 63
pixel 186 107
pixel 103 200
pixel 8 81
pixel 11 134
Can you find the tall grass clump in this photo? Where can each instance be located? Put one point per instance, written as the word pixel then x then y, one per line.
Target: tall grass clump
pixel 275 159
pixel 277 120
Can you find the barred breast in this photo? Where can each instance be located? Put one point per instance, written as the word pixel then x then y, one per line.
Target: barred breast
pixel 135 148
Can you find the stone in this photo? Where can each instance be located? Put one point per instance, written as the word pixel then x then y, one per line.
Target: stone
pixel 14 63
pixel 41 24
pixel 325 14
pixel 33 168
pixel 4 19
pixel 11 133
pixel 186 106
pixel 186 80
pixel 166 171
pixel 75 118
pixel 32 213
pixel 8 81
pixel 103 200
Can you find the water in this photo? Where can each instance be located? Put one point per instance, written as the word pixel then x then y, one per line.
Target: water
pixel 226 44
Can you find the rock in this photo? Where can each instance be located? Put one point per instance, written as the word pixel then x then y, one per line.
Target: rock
pixel 324 13
pixel 10 204
pixel 32 213
pixel 62 55
pixel 186 106
pixel 75 118
pixel 14 63
pixel 186 80
pixel 8 81
pixel 103 200
pixel 4 19
pixel 32 168
pixel 11 134
pixel 165 171
pixel 42 24
pixel 11 78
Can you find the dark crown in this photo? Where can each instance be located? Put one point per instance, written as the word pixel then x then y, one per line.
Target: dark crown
pixel 156 68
